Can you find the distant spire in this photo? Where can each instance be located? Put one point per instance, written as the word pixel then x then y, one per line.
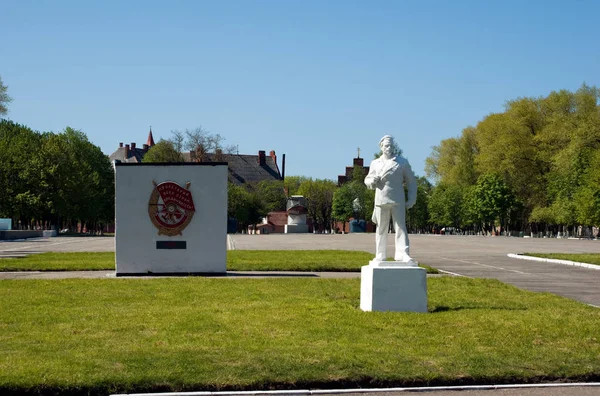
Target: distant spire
pixel 150 141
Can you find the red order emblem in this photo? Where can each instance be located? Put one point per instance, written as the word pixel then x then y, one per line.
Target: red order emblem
pixel 171 207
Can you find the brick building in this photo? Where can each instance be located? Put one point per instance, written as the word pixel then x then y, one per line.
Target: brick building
pixel 347 176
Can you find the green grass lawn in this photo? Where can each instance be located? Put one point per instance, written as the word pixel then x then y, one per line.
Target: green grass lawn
pixel 237 260
pixel 590 258
pixel 99 336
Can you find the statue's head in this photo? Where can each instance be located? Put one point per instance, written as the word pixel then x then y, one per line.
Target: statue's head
pixel 388 138
pixel 386 144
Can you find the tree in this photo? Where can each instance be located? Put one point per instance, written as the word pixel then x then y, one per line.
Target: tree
pixel 358 174
pixel 492 200
pixel 244 205
pixel 343 199
pixel 453 160
pixel 79 180
pixel 541 148
pixel 250 202
pixel 63 178
pixel 163 151
pixel 587 197
pixel 201 142
pixel 20 183
pixel 445 206
pixel 471 216
pixel 4 98
pixel 272 194
pixel 198 141
pixel 353 200
pixel 571 141
pixel 292 184
pixel 417 217
pixel 366 201
pixel 319 198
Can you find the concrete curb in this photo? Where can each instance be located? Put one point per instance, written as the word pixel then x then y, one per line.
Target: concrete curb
pixel 230 243
pixel 554 261
pixel 452 273
pixel 373 390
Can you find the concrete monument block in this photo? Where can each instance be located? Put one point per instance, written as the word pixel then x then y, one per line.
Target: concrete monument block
pixel 170 218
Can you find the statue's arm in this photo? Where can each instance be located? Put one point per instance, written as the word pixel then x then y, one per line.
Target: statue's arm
pixel 411 185
pixel 372 180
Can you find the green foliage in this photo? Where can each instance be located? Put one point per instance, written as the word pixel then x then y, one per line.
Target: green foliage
pixel 20 179
pixel 587 197
pixel 80 178
pixel 292 184
pixel 471 217
pixel 417 217
pixel 358 174
pixel 363 200
pixel 236 200
pixel 544 149
pixel 367 201
pixel 319 199
pixel 4 98
pixel 353 200
pixel 53 178
pixel 271 192
pixel 163 151
pixel 245 205
pixel 250 202
pixel 507 145
pixel 106 336
pixel 542 215
pixel 445 206
pixel 343 199
pixel 452 162
pixel 492 200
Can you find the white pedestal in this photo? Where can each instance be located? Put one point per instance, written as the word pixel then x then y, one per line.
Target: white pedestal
pixel 296 228
pixel 393 286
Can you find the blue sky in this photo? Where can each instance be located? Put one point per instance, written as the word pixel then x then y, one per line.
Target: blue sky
pixel 310 79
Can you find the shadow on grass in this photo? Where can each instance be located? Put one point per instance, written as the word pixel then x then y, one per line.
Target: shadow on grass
pixel 248 274
pixel 462 308
pixel 75 235
pixel 228 274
